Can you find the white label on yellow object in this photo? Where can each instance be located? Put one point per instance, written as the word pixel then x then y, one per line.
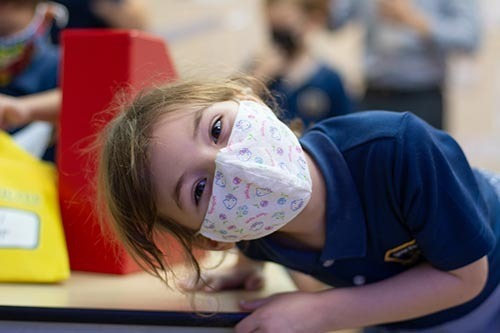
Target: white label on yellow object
pixel 18 229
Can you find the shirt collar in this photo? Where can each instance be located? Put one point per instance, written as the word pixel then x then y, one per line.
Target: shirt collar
pixel 346 228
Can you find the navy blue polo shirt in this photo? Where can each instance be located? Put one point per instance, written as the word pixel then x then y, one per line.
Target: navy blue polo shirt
pixel 320 96
pixel 399 193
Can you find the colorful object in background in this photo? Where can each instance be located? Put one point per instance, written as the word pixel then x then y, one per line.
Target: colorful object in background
pixel 96 64
pixel 32 245
pixel 16 50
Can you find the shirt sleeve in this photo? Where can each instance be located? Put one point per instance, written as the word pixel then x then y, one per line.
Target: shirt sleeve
pixel 457 26
pixel 440 201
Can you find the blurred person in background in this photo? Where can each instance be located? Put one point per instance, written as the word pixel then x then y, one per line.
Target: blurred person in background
pixel 29 73
pixel 406 46
pixel 306 89
pixel 124 14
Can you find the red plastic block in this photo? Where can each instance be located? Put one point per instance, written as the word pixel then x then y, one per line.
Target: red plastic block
pixel 95 64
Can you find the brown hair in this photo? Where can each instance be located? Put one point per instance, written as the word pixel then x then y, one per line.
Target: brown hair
pixel 125 195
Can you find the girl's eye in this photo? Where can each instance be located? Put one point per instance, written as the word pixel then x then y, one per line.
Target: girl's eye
pixel 216 130
pixel 198 190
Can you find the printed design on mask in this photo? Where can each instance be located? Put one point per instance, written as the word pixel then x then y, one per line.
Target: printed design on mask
pixel 242 211
pixel 219 179
pixel 208 224
pixel 243 125
pixel 284 167
pixel 296 204
pixel 260 192
pixel 244 154
pixel 252 219
pixel 261 178
pixel 302 163
pixel 275 133
pixel 211 205
pixel 256 226
pixel 230 201
pixel 278 150
pixel 279 215
pixel 270 154
pixel 234 228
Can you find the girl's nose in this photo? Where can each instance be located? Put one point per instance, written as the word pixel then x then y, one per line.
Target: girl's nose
pixel 207 160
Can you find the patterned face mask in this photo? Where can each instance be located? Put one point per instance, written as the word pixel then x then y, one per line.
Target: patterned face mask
pixel 261 178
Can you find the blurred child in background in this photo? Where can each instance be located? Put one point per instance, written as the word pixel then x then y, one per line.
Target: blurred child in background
pixel 306 89
pixel 29 73
pixel 123 14
pixel 406 46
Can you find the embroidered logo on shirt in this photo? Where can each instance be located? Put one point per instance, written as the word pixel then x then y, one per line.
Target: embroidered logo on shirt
pixel 406 254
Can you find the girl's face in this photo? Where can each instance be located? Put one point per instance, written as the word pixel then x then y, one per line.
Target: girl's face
pixel 183 153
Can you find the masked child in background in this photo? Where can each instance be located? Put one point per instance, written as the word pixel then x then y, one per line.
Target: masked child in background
pixel 306 89
pixel 28 71
pixel 379 205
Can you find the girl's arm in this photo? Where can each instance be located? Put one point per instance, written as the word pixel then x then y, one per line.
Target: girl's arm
pixel 417 292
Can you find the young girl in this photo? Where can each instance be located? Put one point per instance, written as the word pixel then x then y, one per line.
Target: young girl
pixel 379 205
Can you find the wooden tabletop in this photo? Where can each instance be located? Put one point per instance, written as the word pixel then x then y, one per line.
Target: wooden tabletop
pixel 136 298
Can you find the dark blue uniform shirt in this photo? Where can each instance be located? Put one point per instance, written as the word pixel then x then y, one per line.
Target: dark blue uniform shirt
pixel 319 97
pixel 399 193
pixel 41 74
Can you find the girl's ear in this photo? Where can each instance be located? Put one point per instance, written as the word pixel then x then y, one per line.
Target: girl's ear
pixel 208 244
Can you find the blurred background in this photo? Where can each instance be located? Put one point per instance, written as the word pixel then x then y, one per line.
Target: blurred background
pixel 218 37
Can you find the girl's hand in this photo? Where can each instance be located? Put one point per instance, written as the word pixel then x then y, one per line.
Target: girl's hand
pixel 246 274
pixel 238 277
pixel 296 312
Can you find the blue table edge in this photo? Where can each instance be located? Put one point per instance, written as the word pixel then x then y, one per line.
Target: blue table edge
pixel 120 316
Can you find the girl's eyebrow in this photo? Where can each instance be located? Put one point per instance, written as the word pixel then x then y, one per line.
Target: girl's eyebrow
pixel 197 120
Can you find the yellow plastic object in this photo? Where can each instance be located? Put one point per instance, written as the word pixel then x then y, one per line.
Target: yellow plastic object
pixel 32 243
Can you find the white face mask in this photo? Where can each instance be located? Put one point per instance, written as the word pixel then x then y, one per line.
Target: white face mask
pixel 261 178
